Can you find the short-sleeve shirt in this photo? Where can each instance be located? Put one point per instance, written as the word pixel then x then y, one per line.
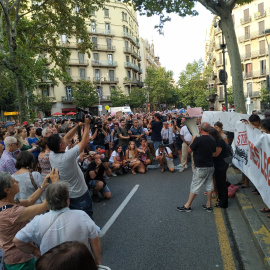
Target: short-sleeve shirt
pixel 100 138
pixel 219 160
pixel 56 227
pixel 8 230
pixel 92 166
pixel 203 148
pixel 114 154
pixel 156 131
pixel 167 150
pixel 69 171
pixel 186 134
pixel 123 132
pixel 7 162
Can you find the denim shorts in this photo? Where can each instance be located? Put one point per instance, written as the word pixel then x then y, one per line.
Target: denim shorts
pixel 82 203
pixel 92 185
pixel 202 176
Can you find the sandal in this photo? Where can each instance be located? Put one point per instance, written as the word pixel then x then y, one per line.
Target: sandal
pixel 217 205
pixel 133 172
pixel 265 210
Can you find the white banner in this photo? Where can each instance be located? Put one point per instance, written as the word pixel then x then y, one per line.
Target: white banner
pixel 228 119
pixel 251 149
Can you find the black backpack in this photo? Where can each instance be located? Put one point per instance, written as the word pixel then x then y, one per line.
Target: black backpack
pixel 228 153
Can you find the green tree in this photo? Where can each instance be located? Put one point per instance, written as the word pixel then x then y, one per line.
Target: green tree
pixel 42 103
pixel 85 94
pixel 137 97
pixel 221 8
pixel 159 85
pixel 30 29
pixel 230 95
pixel 118 98
pixel 193 85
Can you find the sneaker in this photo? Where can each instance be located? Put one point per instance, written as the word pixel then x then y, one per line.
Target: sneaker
pixel 183 209
pixel 186 166
pixel 182 169
pixel 106 177
pixel 120 172
pixel 208 209
pixel 95 198
pixel 113 174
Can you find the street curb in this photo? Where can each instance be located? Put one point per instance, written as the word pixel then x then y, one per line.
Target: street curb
pixel 259 232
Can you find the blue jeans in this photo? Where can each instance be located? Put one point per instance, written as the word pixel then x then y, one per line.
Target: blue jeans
pixel 156 144
pixel 82 203
pixel 124 148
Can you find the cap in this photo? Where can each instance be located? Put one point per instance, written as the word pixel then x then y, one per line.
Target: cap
pixel 25 123
pixel 9 140
pixel 9 124
pixel 101 151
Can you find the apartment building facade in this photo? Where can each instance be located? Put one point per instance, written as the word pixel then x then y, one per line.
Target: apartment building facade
pixel 115 59
pixel 250 22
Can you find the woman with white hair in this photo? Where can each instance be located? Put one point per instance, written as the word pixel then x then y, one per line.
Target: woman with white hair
pixel 15 214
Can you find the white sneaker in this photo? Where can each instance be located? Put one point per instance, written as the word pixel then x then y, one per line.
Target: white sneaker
pixel 177 167
pixel 106 177
pixel 186 166
pixel 182 169
pixel 113 174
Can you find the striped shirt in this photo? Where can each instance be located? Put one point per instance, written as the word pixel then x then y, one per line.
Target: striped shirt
pixel 7 162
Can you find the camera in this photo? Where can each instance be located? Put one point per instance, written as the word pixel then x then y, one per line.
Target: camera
pixel 128 124
pixel 81 114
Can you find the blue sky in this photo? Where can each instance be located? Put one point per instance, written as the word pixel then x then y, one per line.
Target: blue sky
pixel 183 40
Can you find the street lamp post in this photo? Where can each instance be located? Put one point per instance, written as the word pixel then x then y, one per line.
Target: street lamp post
pixel 99 96
pixel 267 31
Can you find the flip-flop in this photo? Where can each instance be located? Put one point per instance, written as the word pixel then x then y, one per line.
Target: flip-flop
pixel 265 210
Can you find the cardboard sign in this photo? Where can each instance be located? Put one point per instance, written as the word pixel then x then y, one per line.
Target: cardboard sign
pixel 119 115
pixel 195 112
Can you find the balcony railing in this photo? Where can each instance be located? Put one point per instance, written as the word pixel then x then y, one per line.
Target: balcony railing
pixel 103 32
pixel 220 63
pixel 104 63
pixel 133 82
pixel 246 19
pixel 129 50
pixel 133 66
pixel 78 62
pixel 259 15
pixel 98 47
pixel 132 38
pixel 104 80
pixel 79 78
pixel 248 75
pixel 67 99
pixel 254 54
pixel 252 35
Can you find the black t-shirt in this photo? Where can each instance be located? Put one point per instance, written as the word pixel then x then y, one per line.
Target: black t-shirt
pixel 99 140
pixel 219 160
pixel 99 175
pixel 203 148
pixel 156 131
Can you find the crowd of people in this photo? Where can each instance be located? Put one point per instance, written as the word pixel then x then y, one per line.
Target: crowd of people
pixel 54 166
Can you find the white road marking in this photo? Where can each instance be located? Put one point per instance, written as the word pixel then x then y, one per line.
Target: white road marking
pixel 117 212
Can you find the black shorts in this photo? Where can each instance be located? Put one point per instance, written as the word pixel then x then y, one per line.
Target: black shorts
pixel 107 146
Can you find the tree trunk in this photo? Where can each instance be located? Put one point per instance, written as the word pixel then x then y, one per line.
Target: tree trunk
pixel 227 27
pixel 22 101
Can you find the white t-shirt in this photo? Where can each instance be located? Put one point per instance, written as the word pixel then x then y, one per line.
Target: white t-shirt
pixel 114 154
pixel 69 170
pixel 186 134
pixel 165 152
pixel 167 134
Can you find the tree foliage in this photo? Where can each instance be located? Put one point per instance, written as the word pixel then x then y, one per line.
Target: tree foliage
pixel 30 29
pixel 221 8
pixel 42 103
pixel 193 85
pixel 137 97
pixel 85 94
pixel 118 98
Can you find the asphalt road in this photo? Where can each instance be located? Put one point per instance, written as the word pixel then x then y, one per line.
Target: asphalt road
pixel 150 233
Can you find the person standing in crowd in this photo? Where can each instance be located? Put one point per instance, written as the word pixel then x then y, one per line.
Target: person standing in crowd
pixel 46 132
pixel 10 128
pixel 108 140
pixel 137 132
pixel 165 156
pixel 167 135
pixel 115 134
pixel 178 141
pixel 124 135
pixel 95 177
pixel 32 140
pixel 69 170
pixel 219 127
pixel 203 148
pixel 156 127
pixel 59 225
pixel 15 214
pixel 186 137
pixel 43 157
pixel 7 161
pixel 220 169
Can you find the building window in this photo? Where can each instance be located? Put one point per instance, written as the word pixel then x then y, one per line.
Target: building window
pixel 221 92
pixel 126 44
pixel 94 41
pixel 261 9
pixel 68 72
pixel 249 89
pixel 261 27
pixel 129 74
pixel 96 56
pixel 82 73
pixel 76 9
pixel 93 26
pixel 248 50
pixel 109 43
pixel 262 47
pixel 110 57
pixel 97 74
pixel 112 88
pixel 124 16
pixel 263 67
pixel 106 12
pixel 246 15
pixel 107 28
pixel 64 39
pixel 69 91
pixel 99 91
pixel 81 58
pixel 46 90
pixel 247 32
pixel 248 70
pixel 127 58
pixel 92 12
pixel 111 75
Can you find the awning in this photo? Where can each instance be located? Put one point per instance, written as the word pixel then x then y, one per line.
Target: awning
pixel 11 113
pixel 69 110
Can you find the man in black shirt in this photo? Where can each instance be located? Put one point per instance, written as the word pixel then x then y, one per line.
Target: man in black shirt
pixel 156 127
pixel 203 148
pixel 94 177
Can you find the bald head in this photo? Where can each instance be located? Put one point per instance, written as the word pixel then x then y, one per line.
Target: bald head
pixel 205 127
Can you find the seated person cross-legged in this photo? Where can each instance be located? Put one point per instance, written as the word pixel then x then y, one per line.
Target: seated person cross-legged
pixel 132 156
pixel 165 156
pixel 95 177
pixel 117 160
pixel 144 157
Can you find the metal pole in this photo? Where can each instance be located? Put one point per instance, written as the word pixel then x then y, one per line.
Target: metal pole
pixel 99 94
pixel 223 46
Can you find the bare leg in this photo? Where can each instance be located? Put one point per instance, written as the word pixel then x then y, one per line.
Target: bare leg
pixel 191 198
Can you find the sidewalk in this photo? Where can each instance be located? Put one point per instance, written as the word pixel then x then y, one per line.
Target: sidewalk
pixel 257 222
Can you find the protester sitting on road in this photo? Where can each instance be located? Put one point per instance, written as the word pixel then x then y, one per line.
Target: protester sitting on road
pixel 144 156
pixel 28 180
pixel 219 127
pixel 69 170
pixel 7 161
pixel 132 157
pixel 15 214
pixel 58 225
pixel 95 177
pixel 220 169
pixel 165 157
pixel 68 256
pixel 117 160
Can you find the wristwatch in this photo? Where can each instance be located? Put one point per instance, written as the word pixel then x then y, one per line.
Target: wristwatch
pixel 42 188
